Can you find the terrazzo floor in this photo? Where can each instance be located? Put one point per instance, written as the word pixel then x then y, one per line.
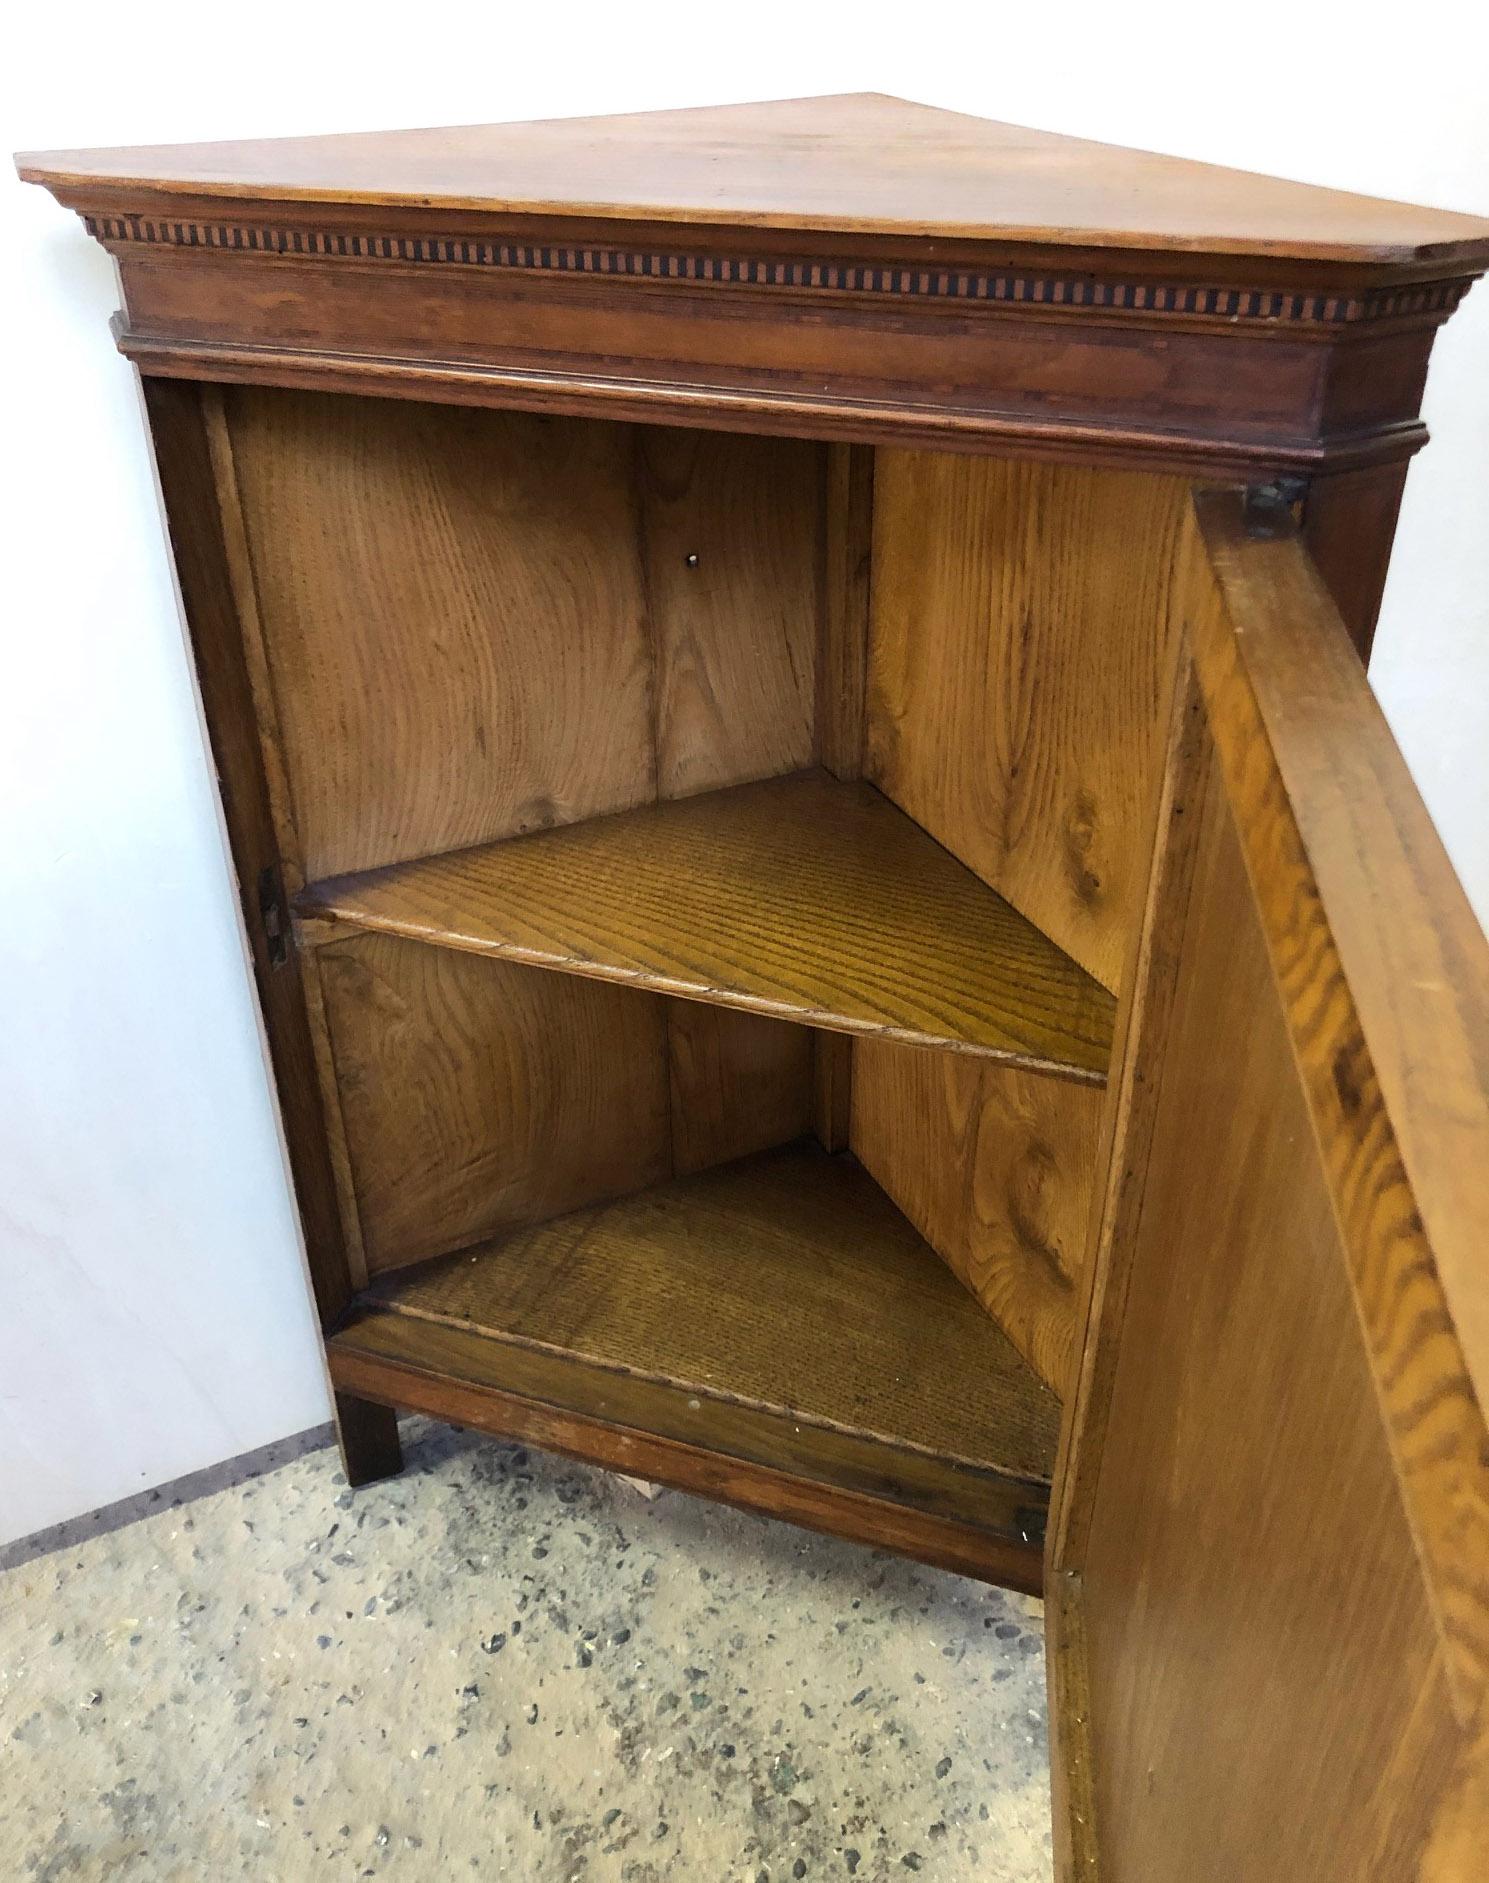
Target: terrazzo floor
pixel 505 1665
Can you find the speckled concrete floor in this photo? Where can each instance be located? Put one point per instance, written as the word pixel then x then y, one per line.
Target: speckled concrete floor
pixel 506 1665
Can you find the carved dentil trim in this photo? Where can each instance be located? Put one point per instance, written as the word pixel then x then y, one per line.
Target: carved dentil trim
pixel 1072 291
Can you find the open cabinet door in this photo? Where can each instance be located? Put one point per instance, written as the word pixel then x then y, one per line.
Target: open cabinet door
pixel 1268 1577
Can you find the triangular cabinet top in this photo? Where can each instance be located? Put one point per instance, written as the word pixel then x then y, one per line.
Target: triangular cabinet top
pixel 856 268
pixel 858 164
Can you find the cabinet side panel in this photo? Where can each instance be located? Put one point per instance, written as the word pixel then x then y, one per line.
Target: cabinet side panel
pixel 452 607
pixel 184 463
pixel 478 1095
pixel 1262 1654
pixel 994 1167
pixel 731 528
pixel 1020 633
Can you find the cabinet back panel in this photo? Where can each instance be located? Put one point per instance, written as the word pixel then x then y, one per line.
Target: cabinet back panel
pixel 478 1095
pixel 1019 640
pixel 739 1082
pixel 452 608
pixel 482 623
pixel 735 631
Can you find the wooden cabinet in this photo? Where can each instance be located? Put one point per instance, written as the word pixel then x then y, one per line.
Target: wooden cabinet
pixel 836 921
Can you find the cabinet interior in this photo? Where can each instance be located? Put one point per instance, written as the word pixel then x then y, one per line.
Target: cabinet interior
pixel 713 860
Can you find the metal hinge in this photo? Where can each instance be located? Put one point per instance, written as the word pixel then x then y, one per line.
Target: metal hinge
pixel 274 915
pixel 1273 508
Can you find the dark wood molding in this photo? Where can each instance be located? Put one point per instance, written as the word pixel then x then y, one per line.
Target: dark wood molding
pixel 946 1542
pixel 1212 363
pixel 1081 292
pixel 780 411
pixel 1150 388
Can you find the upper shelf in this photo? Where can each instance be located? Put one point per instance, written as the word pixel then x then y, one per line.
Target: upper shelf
pixel 801 897
pixel 860 164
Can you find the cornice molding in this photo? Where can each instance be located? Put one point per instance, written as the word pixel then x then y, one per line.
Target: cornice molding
pixel 1025 289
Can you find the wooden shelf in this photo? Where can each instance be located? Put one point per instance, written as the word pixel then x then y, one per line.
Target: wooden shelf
pixel 801 897
pixel 777 1312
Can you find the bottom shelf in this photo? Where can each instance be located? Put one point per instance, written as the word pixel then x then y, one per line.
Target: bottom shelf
pixel 771 1332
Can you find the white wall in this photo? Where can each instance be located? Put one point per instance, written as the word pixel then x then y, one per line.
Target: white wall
pixel 153 1315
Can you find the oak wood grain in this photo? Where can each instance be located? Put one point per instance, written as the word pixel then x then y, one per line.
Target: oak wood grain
pixel 1022 620
pixel 425 628
pixel 1273 1471
pixel 730 537
pixel 1248 1535
pixel 477 1094
pixel 994 1166
pixel 449 1375
pixel 854 162
pixel 1071 1777
pixel 363 1442
pixel 738 1083
pixel 786 1282
pixel 452 608
pixel 1384 973
pixel 1144 1015
pixel 800 897
pixel 1408 946
pixel 1189 325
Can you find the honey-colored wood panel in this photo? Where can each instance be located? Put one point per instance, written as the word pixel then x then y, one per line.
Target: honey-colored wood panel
pixel 452 607
pixel 731 534
pixel 612 1420
pixel 740 1083
pixel 858 161
pixel 1275 1467
pixel 477 1095
pixel 1019 643
pixel 785 1279
pixel 994 1167
pixel 800 897
pixel 1385 975
pixel 1258 1634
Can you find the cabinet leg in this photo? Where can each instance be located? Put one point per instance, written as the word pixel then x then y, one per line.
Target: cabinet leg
pixel 369 1440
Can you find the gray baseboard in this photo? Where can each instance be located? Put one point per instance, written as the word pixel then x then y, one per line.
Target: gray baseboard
pixel 251 1464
